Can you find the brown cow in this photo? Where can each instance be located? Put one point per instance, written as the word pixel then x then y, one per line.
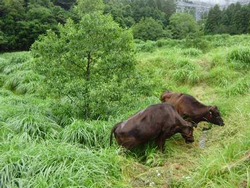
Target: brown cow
pixel 157 122
pixel 192 110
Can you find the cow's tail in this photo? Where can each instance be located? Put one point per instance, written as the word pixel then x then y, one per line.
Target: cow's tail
pixel 111 134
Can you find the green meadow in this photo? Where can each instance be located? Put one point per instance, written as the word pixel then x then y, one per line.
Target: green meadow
pixel 44 143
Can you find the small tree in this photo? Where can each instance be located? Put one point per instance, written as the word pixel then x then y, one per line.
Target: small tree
pixel 84 60
pixel 149 29
pixel 183 25
pixel 214 20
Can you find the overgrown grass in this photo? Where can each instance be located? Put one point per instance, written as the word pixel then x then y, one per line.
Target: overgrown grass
pixel 53 164
pixel 241 55
pixel 46 143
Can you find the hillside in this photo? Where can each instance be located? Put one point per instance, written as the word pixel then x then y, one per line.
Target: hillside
pixel 43 143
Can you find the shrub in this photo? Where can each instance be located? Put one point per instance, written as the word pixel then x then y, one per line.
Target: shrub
pixel 148 46
pixel 149 29
pixel 183 25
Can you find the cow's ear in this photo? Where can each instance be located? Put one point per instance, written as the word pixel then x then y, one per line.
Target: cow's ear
pixel 215 107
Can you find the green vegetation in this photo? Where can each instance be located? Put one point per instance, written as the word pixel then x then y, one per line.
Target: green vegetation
pixel 234 19
pixel 183 25
pixel 46 142
pixel 77 63
pixel 22 21
pixel 150 29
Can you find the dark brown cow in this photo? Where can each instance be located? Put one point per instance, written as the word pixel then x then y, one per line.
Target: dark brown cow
pixel 157 122
pixel 191 109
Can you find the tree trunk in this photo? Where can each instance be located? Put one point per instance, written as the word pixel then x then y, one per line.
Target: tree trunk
pixel 87 87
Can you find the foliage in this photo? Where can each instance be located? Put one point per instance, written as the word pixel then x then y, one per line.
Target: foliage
pixel 89 6
pixel 149 29
pixel 235 19
pixel 44 139
pixel 76 61
pixel 21 22
pixel 128 12
pixel 183 25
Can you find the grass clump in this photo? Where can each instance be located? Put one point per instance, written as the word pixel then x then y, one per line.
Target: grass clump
pixel 241 56
pixel 22 82
pixel 186 71
pixel 222 76
pixel 240 87
pixel 53 164
pixel 192 52
pixel 90 134
pixel 25 115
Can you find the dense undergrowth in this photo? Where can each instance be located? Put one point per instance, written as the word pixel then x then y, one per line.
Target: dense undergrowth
pixel 45 143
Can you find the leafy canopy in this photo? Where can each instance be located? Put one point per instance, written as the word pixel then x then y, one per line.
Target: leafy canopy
pixel 149 29
pixel 183 25
pixel 89 6
pixel 85 61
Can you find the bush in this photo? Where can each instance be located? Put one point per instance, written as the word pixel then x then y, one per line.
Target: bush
pixel 183 25
pixel 148 46
pixel 149 29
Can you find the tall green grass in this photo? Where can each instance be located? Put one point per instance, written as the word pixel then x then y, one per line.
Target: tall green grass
pixel 44 142
pixel 90 134
pixel 241 55
pixel 185 71
pixel 57 164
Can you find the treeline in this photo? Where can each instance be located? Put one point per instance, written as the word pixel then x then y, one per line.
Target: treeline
pixel 235 19
pixel 22 21
pixel 129 12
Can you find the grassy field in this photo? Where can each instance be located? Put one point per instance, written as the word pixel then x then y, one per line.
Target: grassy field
pixel 42 143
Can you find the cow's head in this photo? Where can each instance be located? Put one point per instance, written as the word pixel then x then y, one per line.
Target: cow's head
pixel 187 133
pixel 213 116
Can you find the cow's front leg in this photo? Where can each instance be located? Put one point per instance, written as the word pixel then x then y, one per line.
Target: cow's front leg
pixel 160 141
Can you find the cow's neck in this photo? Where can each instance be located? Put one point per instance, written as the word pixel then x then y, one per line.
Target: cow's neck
pixel 201 116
